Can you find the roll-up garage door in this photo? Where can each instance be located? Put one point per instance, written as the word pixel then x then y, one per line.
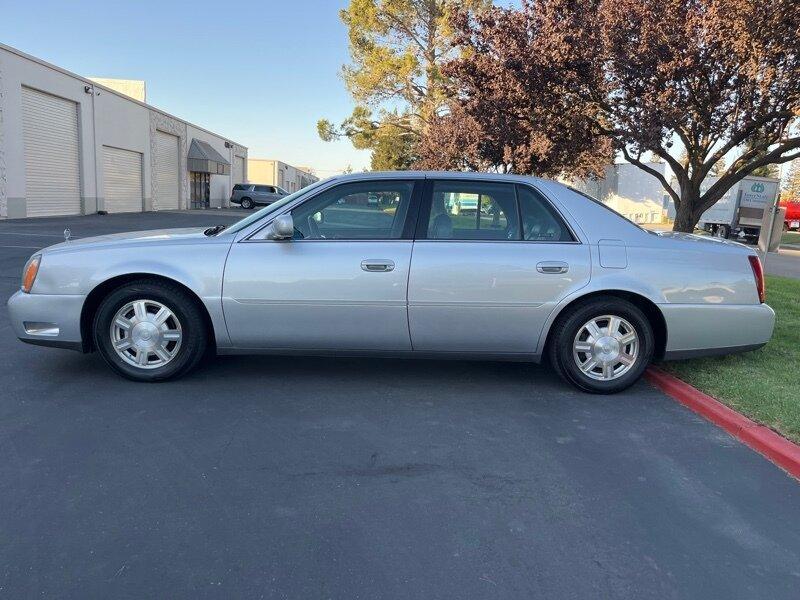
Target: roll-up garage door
pixel 167 166
pixel 52 158
pixel 122 175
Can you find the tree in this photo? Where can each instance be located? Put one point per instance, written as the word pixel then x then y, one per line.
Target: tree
pixel 392 149
pixel 397 48
pixel 511 97
pixel 718 77
pixel 791 189
pixel 718 170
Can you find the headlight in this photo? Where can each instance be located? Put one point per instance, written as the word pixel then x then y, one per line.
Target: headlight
pixel 30 271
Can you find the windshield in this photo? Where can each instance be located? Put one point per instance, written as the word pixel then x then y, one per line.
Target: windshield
pixel 239 225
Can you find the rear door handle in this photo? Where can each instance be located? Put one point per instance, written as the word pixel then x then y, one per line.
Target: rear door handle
pixel 552 267
pixel 380 265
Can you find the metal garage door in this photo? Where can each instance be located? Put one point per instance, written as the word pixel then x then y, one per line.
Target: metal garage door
pixel 122 175
pixel 167 167
pixel 52 159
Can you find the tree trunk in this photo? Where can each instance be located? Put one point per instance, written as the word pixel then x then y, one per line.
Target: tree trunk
pixel 686 215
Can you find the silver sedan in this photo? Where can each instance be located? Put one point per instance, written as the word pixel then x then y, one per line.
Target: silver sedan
pixel 387 264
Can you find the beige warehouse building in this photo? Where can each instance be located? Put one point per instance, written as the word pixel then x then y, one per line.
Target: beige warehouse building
pixel 276 172
pixel 70 145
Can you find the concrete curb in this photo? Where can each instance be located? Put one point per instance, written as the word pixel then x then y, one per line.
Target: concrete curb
pixel 762 439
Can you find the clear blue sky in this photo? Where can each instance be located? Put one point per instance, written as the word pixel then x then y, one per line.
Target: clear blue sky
pixel 260 73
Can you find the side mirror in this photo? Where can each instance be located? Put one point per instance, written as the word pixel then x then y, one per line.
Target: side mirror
pixel 282 228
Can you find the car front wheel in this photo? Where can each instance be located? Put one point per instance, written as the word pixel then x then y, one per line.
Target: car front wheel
pixel 602 346
pixel 150 330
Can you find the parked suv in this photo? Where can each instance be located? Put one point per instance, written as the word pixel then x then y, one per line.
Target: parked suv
pixel 251 194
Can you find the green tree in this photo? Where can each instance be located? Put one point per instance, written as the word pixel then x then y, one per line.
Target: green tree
pixel 397 48
pixel 768 170
pixel 393 149
pixel 791 188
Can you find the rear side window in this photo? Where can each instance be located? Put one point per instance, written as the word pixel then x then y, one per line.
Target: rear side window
pixel 262 188
pixel 540 223
pixel 465 210
pixel 241 187
pixel 469 210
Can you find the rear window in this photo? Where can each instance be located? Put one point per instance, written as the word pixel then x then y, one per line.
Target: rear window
pixel 240 187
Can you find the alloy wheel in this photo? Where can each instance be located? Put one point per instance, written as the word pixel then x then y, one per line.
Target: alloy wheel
pixel 606 347
pixel 146 334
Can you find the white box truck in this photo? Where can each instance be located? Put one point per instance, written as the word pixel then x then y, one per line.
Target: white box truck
pixel 739 212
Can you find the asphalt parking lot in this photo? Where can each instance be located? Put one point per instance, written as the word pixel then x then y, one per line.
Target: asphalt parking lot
pixel 264 477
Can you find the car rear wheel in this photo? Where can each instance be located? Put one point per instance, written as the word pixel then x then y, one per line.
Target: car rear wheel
pixel 247 203
pixel 150 330
pixel 602 346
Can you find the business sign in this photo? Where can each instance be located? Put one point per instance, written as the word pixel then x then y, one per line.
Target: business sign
pixel 757 194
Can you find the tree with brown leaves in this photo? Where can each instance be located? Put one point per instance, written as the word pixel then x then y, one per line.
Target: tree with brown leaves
pixel 718 78
pixel 514 102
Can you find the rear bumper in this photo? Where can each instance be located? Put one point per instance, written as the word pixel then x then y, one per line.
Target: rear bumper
pixel 47 320
pixel 714 329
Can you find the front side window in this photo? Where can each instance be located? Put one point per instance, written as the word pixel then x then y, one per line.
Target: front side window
pixel 261 188
pixel 366 210
pixel 465 210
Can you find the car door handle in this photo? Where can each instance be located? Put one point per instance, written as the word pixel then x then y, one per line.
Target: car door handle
pixel 380 265
pixel 552 267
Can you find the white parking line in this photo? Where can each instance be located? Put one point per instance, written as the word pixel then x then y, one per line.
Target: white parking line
pixel 23 233
pixel 50 235
pixel 30 247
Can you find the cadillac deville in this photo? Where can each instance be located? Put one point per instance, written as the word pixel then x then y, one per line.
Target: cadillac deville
pixel 380 264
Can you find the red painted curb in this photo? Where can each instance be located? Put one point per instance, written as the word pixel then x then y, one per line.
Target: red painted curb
pixel 762 439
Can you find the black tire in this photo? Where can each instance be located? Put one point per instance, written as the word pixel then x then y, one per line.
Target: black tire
pixel 723 231
pixel 194 340
pixel 247 203
pixel 567 327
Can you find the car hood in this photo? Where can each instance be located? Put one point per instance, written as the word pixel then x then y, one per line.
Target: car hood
pixel 155 236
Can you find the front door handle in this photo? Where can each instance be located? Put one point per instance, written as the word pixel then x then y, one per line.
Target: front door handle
pixel 380 265
pixel 552 267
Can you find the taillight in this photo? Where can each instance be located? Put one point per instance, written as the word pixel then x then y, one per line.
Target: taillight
pixel 758 273
pixel 29 273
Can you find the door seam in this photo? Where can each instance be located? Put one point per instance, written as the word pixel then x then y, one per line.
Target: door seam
pixel 408 285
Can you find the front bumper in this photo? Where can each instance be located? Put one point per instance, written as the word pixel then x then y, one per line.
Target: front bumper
pixel 47 320
pixel 715 329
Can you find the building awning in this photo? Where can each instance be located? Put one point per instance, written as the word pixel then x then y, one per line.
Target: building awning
pixel 204 159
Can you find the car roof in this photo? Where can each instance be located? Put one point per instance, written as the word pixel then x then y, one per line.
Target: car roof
pixel 434 175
